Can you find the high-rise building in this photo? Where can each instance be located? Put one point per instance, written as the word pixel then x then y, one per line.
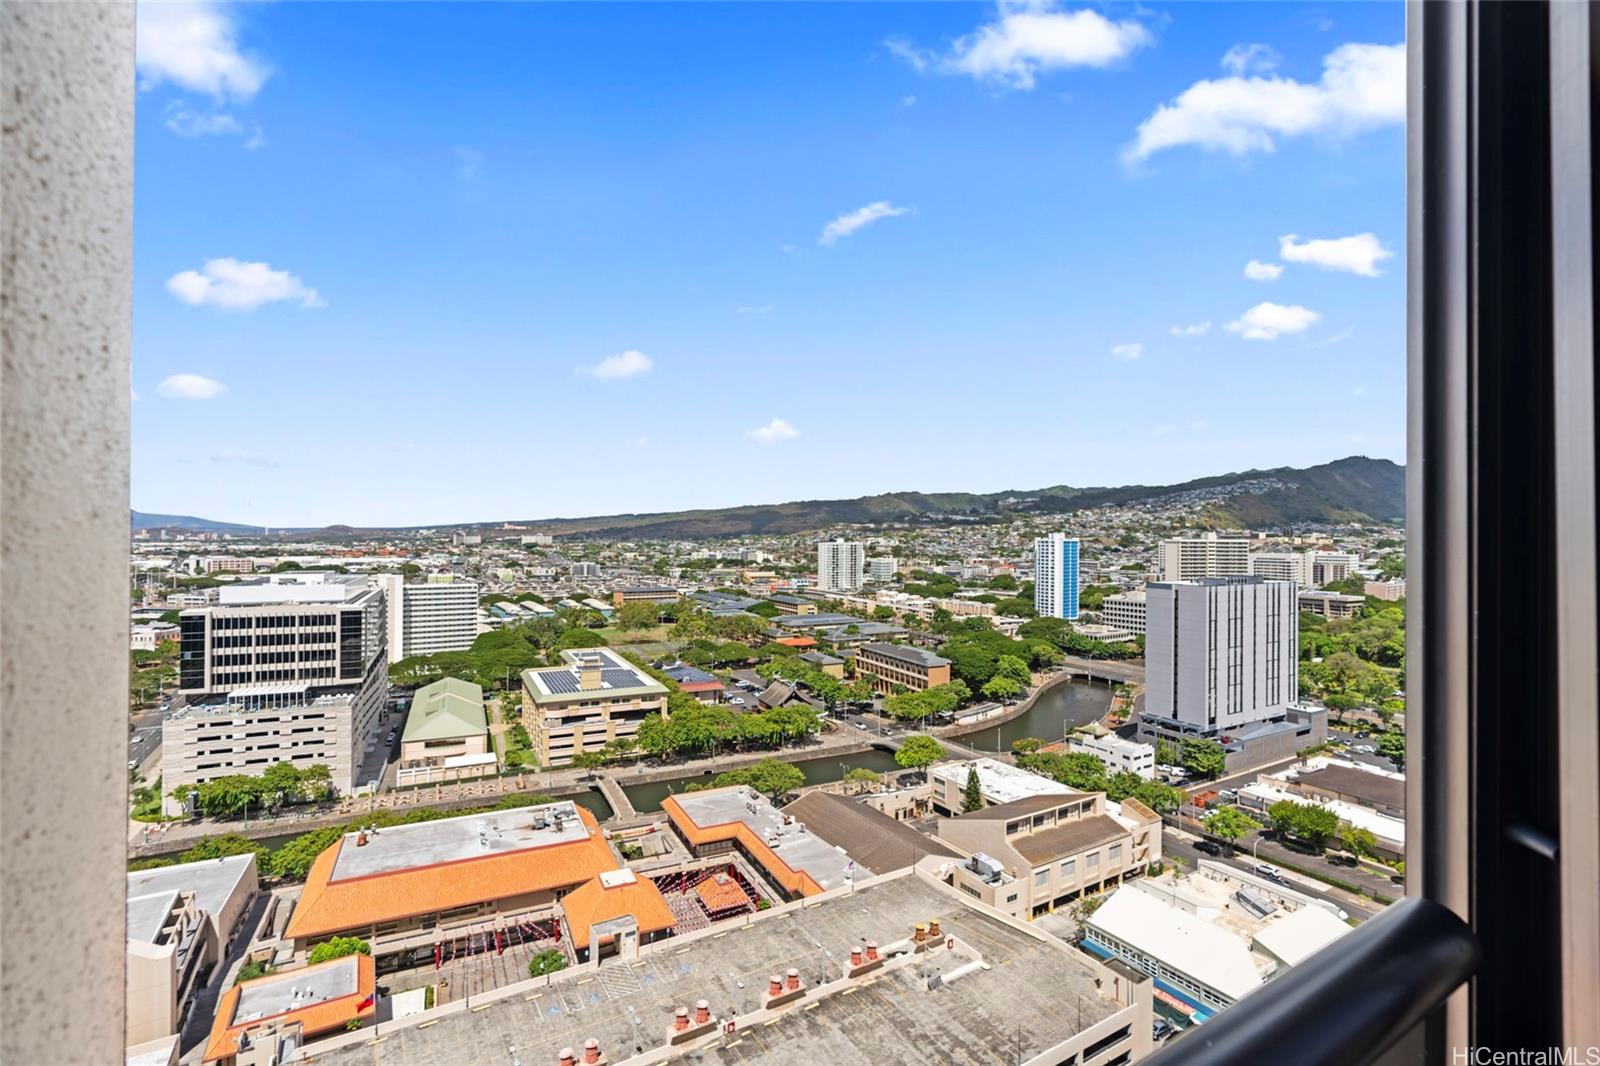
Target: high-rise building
pixel 882 568
pixel 289 668
pixel 840 564
pixel 439 615
pixel 1220 653
pixel 1308 569
pixel 1192 558
pixel 1055 576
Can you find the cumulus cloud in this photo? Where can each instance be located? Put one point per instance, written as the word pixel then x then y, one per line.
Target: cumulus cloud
pixel 1244 59
pixel 1363 86
pixel 851 221
pixel 626 364
pixel 1256 270
pixel 194 45
pixel 1269 321
pixel 1197 329
pixel 190 387
pixel 1360 254
pixel 1025 41
pixel 773 432
pixel 236 285
pixel 1127 352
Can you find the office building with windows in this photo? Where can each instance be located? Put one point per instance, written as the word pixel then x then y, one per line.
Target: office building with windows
pixel 1055 576
pixel 1220 654
pixel 1308 569
pixel 1124 610
pixel 882 569
pixel 440 614
pixel 1210 555
pixel 840 564
pixel 595 698
pixel 288 668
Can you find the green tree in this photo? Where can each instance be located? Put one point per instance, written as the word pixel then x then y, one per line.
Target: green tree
pixel 588 760
pixel 972 794
pixel 1393 746
pixel 1229 824
pixel 769 777
pixel 635 616
pixel 1203 758
pixel 860 775
pixel 337 948
pixel 1010 666
pixel 1357 841
pixel 546 962
pixel 1000 688
pixel 918 752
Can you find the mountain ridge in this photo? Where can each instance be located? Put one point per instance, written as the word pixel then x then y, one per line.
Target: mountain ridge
pixel 1353 489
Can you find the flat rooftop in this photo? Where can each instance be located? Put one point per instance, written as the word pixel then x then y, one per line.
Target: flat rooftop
pixel 211 880
pixel 296 990
pixel 799 848
pixel 403 847
pixel 896 1019
pixel 1000 782
pixel 147 914
pixel 618 677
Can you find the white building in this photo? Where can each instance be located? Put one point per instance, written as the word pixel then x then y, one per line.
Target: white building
pixel 438 615
pixel 537 540
pixel 290 668
pixel 1124 610
pixel 149 637
pixel 1192 558
pixel 1119 756
pixel 1055 576
pixel 882 569
pixel 1308 569
pixel 998 783
pixel 1221 653
pixel 840 564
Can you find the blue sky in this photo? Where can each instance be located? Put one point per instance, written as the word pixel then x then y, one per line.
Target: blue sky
pixel 410 263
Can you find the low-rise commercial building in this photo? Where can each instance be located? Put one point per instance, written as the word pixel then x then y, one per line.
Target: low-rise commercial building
pixel 1030 856
pixel 446 736
pixel 1119 756
pixel 896 664
pixel 1364 796
pixel 1334 605
pixel 151 636
pixel 998 783
pixel 181 920
pixel 644 594
pixel 595 698
pixel 1125 610
pixel 796 863
pixel 259 1022
pixel 1393 589
pixel 796 605
pixel 831 665
pixel 703 686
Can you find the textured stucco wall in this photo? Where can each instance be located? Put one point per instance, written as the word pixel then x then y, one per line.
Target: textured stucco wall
pixel 66 254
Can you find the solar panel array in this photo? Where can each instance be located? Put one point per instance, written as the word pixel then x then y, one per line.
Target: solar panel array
pixel 564 683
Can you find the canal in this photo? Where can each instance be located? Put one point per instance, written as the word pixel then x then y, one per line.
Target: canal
pixel 1058 709
pixel 648 797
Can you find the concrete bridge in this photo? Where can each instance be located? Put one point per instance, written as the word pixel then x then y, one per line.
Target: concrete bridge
pixel 1120 673
pixel 621 806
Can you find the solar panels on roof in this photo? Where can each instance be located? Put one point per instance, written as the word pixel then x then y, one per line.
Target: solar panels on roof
pixel 564 682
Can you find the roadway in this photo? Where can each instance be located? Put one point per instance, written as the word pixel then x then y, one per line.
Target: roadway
pixel 1123 673
pixel 1177 844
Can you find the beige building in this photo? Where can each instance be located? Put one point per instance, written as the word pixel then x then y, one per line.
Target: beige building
pixel 652 594
pixel 447 734
pixel 1192 558
pixel 898 664
pixel 1030 856
pixel 180 921
pixel 595 698
pixel 1332 604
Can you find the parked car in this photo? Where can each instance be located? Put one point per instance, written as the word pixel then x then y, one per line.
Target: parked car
pixel 1269 871
pixel 1160 1029
pixel 1209 847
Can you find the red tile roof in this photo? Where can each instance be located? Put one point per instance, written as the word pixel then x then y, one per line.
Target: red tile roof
pixel 592 902
pixel 314 1019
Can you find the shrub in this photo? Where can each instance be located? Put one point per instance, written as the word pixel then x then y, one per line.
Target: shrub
pixel 338 948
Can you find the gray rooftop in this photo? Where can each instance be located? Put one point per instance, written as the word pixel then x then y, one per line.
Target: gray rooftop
pixel 471 836
pixel 211 880
pixel 905 654
pixel 147 914
pixel 296 990
pixel 799 848
pixel 895 1020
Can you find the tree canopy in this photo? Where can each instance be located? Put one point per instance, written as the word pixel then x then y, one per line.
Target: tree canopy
pixel 918 752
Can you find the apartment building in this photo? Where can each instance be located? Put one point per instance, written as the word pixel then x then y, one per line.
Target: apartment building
pixel 287 668
pixel 1119 756
pixel 1124 610
pixel 595 698
pixel 882 569
pixel 440 614
pixel 1209 555
pixel 1032 855
pixel 1308 569
pixel 1220 653
pixel 1055 576
pixel 840 564
pixel 897 664
pixel 180 920
pixel 1393 589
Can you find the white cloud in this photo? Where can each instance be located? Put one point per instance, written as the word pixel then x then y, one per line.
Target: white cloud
pixel 1256 270
pixel 1363 86
pixel 195 46
pixel 236 285
pixel 754 309
pixel 630 363
pixel 190 387
pixel 1027 40
pixel 908 101
pixel 188 123
pixel 1269 321
pixel 1360 254
pixel 1339 338
pixel 849 222
pixel 1197 329
pixel 774 431
pixel 1127 352
pixel 1244 59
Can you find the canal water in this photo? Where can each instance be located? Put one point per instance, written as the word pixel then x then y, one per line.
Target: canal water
pixel 648 797
pixel 1058 710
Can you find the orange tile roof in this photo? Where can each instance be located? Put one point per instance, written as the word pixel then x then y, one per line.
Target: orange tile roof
pixel 317 1018
pixel 592 902
pixel 795 881
pixel 796 642
pixel 327 907
pixel 719 892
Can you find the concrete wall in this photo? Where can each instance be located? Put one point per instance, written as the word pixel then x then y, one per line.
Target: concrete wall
pixel 66 181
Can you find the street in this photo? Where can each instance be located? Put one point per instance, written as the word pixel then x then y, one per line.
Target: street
pixel 1175 843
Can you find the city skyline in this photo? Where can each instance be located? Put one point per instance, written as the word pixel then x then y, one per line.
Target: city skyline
pixel 1031 229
